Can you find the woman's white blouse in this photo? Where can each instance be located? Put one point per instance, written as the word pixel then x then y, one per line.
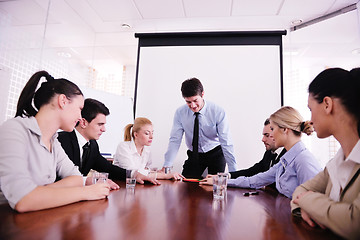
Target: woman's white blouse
pixel 127 157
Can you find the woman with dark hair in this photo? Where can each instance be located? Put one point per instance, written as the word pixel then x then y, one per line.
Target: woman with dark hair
pixel 30 155
pixel 332 198
pixel 296 166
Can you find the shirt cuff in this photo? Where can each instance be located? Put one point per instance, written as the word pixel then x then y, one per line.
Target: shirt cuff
pixel 241 181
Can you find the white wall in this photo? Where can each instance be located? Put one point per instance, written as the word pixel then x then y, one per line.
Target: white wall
pixel 244 80
pixel 5 85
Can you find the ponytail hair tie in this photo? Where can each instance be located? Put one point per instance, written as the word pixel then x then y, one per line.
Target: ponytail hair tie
pixel 131 127
pixel 49 78
pixel 302 126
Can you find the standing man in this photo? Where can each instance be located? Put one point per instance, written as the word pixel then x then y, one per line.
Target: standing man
pixel 81 147
pixel 206 134
pixel 270 158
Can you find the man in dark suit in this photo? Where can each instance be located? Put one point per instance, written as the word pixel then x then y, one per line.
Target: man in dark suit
pixel 270 158
pixel 82 142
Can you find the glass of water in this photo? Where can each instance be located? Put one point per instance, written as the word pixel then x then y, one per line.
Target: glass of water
pixel 153 172
pixel 219 187
pixel 100 177
pixel 130 179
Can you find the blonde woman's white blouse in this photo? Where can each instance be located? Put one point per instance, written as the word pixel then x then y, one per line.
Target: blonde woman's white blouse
pixel 127 157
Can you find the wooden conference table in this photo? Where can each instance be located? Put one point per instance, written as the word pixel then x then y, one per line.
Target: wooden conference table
pixel 173 210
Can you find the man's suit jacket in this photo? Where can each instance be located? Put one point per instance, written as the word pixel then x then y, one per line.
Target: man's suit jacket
pixel 268 159
pixel 95 161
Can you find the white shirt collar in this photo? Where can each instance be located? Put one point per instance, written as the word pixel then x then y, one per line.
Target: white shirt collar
pixel 279 150
pixel 133 147
pixel 340 170
pixel 203 109
pixel 354 154
pixel 81 140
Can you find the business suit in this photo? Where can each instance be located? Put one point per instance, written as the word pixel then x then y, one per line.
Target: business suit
pixel 95 161
pixel 269 159
pixel 342 217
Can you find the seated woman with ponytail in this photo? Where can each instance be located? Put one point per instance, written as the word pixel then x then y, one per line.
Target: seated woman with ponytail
pixel 31 156
pixel 332 198
pixel 295 167
pixel 134 152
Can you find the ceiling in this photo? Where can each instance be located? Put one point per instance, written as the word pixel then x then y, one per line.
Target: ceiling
pixel 91 30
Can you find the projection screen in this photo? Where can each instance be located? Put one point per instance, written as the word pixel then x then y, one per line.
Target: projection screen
pixel 240 71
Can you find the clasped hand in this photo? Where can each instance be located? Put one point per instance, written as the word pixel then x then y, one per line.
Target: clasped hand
pixel 304 215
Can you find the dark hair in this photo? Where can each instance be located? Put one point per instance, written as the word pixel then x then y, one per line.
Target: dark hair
pixel 92 108
pixel 44 94
pixel 191 87
pixel 267 122
pixel 341 84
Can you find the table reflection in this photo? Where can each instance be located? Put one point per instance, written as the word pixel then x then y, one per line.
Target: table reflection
pixel 173 210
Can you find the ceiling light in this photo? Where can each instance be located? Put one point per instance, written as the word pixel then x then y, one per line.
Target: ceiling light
pixel 356 51
pixel 296 22
pixel 64 54
pixel 125 25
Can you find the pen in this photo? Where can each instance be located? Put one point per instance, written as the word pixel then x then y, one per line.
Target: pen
pixel 192 180
pixel 250 193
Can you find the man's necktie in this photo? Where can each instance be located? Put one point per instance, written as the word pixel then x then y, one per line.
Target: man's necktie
pixel 85 155
pixel 273 158
pixel 195 142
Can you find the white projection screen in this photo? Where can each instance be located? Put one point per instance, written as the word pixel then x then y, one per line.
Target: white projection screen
pixel 240 71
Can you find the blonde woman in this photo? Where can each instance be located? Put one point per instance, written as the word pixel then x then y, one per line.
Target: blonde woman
pixel 296 166
pixel 134 153
pixel 332 198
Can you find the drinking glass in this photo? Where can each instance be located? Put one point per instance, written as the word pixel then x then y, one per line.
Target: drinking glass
pixel 168 169
pixel 219 187
pixel 153 172
pixel 130 179
pixel 100 177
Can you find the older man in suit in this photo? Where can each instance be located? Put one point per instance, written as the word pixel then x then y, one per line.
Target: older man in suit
pixel 81 146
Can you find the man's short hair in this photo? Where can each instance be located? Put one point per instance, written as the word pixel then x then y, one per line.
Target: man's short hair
pixel 92 108
pixel 267 122
pixel 191 87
